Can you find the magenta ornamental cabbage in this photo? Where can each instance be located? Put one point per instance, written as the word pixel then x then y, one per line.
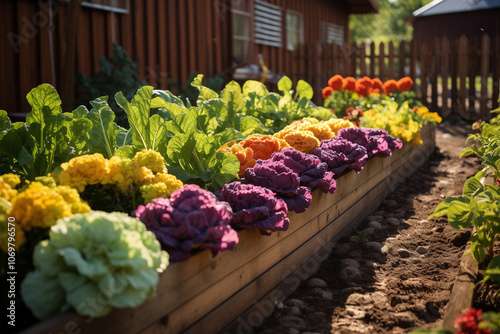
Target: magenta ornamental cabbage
pixel 283 181
pixel 255 206
pixel 340 154
pixel 312 172
pixel 376 141
pixel 192 217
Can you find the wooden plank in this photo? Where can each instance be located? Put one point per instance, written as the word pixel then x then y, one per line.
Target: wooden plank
pixel 381 62
pixel 413 61
pixel 192 37
pixel 390 72
pixel 151 43
pixel 218 37
pixel 435 52
pixel 496 72
pixel 454 76
pixel 139 38
pixel 84 45
pixel 372 60
pixel 484 113
pixel 473 60
pixel 445 65
pixel 423 72
pixel 161 17
pixel 362 60
pixel 462 69
pixel 461 297
pixel 172 42
pixel 44 57
pixel 402 60
pixel 9 67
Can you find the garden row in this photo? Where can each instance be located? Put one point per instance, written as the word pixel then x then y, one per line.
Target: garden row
pixel 215 176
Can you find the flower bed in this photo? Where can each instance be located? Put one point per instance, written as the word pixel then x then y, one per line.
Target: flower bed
pixel 206 294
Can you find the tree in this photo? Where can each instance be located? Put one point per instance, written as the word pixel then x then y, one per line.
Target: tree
pixel 388 25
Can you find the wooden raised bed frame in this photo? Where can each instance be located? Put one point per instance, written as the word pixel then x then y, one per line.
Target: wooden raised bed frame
pixel 237 289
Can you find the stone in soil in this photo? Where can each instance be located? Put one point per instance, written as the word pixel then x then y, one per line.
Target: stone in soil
pixel 316 283
pixel 292 321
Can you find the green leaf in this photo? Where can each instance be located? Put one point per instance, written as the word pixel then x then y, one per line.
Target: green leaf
pixel 459 215
pixel 257 87
pixel 471 186
pixel 138 115
pixel 234 99
pixel 205 92
pixel 168 97
pixel 477 249
pixel 123 137
pixel 493 270
pixel 125 152
pixel 5 123
pixel 469 150
pixel 304 90
pixel 225 167
pixel 285 85
pixel 442 208
pixel 104 130
pixel 158 134
pixel 250 125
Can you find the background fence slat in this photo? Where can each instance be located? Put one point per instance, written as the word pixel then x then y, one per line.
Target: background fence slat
pixel 485 68
pixel 445 53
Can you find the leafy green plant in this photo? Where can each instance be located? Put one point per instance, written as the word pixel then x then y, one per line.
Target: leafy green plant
pixel 479 204
pixel 117 73
pixel 47 138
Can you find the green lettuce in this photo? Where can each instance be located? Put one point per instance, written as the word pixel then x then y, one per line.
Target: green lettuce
pixel 108 257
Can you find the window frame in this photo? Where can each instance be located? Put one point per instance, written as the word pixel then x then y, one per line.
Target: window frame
pixel 247 40
pixel 299 32
pixel 111 7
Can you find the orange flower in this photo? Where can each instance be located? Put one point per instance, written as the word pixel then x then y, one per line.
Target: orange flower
pixel 390 86
pixel 349 84
pixel 405 84
pixel 336 82
pixel 377 84
pixel 244 155
pixel 364 86
pixel 263 146
pixel 327 91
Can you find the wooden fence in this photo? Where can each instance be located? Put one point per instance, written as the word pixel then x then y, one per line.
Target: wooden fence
pixel 458 76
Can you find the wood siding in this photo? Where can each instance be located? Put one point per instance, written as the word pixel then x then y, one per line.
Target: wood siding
pixel 168 39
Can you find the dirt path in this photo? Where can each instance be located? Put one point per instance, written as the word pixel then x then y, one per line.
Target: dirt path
pixel 396 272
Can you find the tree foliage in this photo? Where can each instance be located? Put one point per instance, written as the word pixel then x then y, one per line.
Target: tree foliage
pixel 388 25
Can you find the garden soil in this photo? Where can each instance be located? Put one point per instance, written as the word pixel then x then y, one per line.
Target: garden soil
pixel 396 272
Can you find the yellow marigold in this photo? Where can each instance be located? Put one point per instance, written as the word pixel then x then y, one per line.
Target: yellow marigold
pixel 11 179
pixel 295 126
pixel 142 175
pixel 336 124
pixel 169 180
pixel 48 181
pixel 6 191
pixel 308 120
pixel 304 141
pixel 83 170
pixel 152 160
pixel 370 113
pixel 422 110
pixel 320 130
pixel 39 206
pixel 119 173
pixel 18 233
pixel 72 197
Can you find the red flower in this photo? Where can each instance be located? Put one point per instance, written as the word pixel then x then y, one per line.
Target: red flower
pixel 364 86
pixel 327 91
pixel 405 84
pixel 377 84
pixel 336 82
pixel 467 323
pixel 390 86
pixel 349 84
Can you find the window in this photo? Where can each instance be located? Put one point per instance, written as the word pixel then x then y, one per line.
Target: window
pixel 117 6
pixel 332 33
pixel 268 23
pixel 294 30
pixel 242 19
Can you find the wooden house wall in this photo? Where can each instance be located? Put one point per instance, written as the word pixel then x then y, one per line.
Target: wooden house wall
pixel 166 38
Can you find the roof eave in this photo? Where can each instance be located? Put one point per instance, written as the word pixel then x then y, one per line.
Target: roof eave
pixel 362 6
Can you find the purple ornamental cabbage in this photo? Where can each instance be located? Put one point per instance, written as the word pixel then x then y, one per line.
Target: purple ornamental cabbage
pixel 283 181
pixel 340 154
pixel 255 206
pixel 312 172
pixel 192 217
pixel 376 141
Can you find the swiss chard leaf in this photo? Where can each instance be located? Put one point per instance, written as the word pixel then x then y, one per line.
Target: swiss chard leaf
pixel 104 132
pixel 459 215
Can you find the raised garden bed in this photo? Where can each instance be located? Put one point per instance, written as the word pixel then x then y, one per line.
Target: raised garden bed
pixel 235 289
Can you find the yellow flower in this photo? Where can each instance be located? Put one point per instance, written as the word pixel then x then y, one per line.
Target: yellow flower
pixel 336 124
pixel 72 197
pixel 39 206
pixel 304 141
pixel 152 160
pixel 17 234
pixel 6 191
pixel 369 113
pixel 83 170
pixel 164 185
pixel 11 179
pixel 142 175
pixel 417 139
pixel 321 131
pixel 169 180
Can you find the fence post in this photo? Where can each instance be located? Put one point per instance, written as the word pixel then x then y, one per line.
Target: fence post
pixel 317 57
pixel 462 72
pixel 402 58
pixel 381 61
pixel 362 60
pixel 485 68
pixel 423 71
pixel 390 72
pixel 435 53
pixel 445 53
pixel 372 60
